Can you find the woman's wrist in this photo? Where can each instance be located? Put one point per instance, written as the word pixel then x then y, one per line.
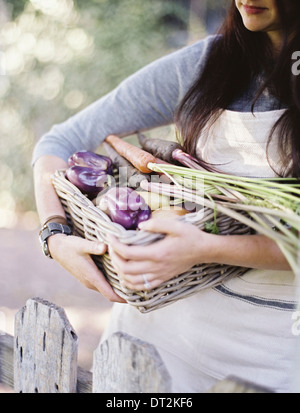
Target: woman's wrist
pixel 54 243
pixel 208 248
pixel 54 225
pixel 59 219
pixel 251 251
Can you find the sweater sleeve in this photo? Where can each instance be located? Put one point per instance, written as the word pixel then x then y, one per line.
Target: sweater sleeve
pixel 145 100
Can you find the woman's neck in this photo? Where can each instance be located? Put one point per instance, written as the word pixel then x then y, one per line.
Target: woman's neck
pixel 276 38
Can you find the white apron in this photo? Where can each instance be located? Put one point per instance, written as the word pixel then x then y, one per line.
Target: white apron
pixel 243 327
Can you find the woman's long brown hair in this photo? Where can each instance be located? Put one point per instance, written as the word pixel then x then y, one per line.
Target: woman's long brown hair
pixel 237 56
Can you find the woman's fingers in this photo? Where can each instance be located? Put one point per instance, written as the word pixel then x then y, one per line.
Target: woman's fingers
pixel 91 247
pixel 161 260
pixel 98 282
pixel 93 276
pixel 124 266
pixel 141 282
pixel 171 227
pixel 74 254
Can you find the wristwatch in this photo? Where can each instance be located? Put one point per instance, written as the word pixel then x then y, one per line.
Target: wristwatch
pixel 50 229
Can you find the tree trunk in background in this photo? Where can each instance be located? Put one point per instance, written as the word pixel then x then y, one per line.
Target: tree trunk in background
pixel 177 21
pixel 206 16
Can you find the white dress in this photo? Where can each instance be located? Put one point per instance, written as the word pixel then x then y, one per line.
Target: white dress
pixel 242 328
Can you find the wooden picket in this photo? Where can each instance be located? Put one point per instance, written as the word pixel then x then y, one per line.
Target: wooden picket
pixel 42 358
pixel 6 360
pixel 45 348
pixel 129 365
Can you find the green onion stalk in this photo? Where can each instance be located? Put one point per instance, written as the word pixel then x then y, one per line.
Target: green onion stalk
pixel 269 206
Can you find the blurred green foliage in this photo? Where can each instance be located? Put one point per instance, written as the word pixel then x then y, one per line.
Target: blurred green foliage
pixel 58 56
pixel 16 7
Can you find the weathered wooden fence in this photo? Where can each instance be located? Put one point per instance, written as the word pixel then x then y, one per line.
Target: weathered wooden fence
pixel 42 358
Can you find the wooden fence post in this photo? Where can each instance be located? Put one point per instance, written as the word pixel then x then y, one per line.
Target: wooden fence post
pixel 45 349
pixel 125 364
pixel 6 360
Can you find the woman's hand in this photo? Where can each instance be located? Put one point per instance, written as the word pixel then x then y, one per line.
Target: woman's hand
pixel 74 255
pixel 185 246
pixel 162 260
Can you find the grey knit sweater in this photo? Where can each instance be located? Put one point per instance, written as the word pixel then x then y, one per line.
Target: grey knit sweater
pixel 145 100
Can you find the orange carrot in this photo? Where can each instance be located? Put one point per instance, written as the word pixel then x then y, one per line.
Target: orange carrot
pixel 135 155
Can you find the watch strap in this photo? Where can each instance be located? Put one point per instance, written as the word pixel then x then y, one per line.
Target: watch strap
pixel 54 228
pixel 50 229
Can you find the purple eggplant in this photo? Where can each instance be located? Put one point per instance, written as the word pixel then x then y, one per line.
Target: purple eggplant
pixel 90 181
pixel 125 206
pixel 91 160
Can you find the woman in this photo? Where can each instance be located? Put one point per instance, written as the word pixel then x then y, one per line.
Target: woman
pixel 236 103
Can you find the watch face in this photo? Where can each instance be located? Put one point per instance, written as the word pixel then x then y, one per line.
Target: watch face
pixel 45 248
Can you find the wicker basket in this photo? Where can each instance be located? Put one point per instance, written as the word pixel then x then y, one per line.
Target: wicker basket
pixel 90 222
